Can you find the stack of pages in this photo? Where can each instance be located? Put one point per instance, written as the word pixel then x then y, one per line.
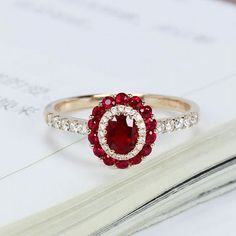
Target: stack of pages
pixel 50 182
pixel 177 180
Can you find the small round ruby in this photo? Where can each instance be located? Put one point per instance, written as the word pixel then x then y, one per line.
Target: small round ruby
pixel 151 137
pixel 135 160
pixel 108 102
pixel 98 111
pixel 98 151
pixel 93 124
pixel 146 112
pixel 93 138
pixel 135 102
pixel 151 124
pixel 108 161
pixel 147 149
pixel 122 98
pixel 122 164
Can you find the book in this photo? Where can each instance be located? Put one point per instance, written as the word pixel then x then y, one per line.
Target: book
pixel 181 178
pixel 68 48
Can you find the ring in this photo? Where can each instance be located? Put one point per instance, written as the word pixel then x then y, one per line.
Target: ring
pixel 122 128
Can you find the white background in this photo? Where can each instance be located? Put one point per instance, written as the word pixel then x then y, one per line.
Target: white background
pixel 182 48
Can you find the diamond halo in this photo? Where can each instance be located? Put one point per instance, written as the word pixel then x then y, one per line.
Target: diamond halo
pixel 132 114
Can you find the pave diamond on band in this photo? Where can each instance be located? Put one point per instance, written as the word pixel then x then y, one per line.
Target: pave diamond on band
pixel 67 124
pixel 79 126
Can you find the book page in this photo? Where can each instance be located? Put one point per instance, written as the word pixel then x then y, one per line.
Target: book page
pixel 56 49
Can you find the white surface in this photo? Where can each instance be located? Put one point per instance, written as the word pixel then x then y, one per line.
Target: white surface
pixel 216 217
pixel 75 47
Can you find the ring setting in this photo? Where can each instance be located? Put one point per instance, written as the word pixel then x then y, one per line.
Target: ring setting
pixel 122 128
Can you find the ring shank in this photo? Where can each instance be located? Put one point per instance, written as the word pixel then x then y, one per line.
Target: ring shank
pixel 156 101
pixel 60 108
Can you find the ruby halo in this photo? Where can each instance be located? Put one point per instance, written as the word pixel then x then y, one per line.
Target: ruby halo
pixel 122 130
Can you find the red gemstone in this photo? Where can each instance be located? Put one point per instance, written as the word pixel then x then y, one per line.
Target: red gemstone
pixel 108 102
pixel 147 149
pixel 122 164
pixel 151 124
pixel 135 160
pixel 108 161
pixel 98 111
pixel 122 134
pixel 122 98
pixel 93 124
pixel 146 112
pixel 98 151
pixel 135 102
pixel 93 138
pixel 151 137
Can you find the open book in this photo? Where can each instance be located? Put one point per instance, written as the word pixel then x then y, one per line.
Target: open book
pixel 68 48
pixel 181 178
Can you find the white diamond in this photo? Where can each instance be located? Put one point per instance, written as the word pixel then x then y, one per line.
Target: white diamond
pixel 132 112
pixel 141 125
pixel 108 114
pixel 105 147
pixel 102 140
pixel 74 126
pixel 112 152
pixel 102 133
pixel 129 155
pixel 84 128
pixel 142 131
pixel 114 110
pixel 179 123
pixel 104 120
pixel 49 119
pixel 79 128
pixel 141 140
pixel 119 156
pixel 160 127
pixel 170 125
pixel 128 110
pixel 187 121
pixel 138 117
pixel 65 124
pixel 194 118
pixel 121 108
pixel 139 146
pixel 102 126
pixel 56 122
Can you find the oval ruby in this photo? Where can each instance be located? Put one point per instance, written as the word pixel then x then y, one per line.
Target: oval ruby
pixel 122 134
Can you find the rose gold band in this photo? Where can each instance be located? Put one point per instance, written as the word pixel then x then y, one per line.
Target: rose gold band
pixel 186 112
